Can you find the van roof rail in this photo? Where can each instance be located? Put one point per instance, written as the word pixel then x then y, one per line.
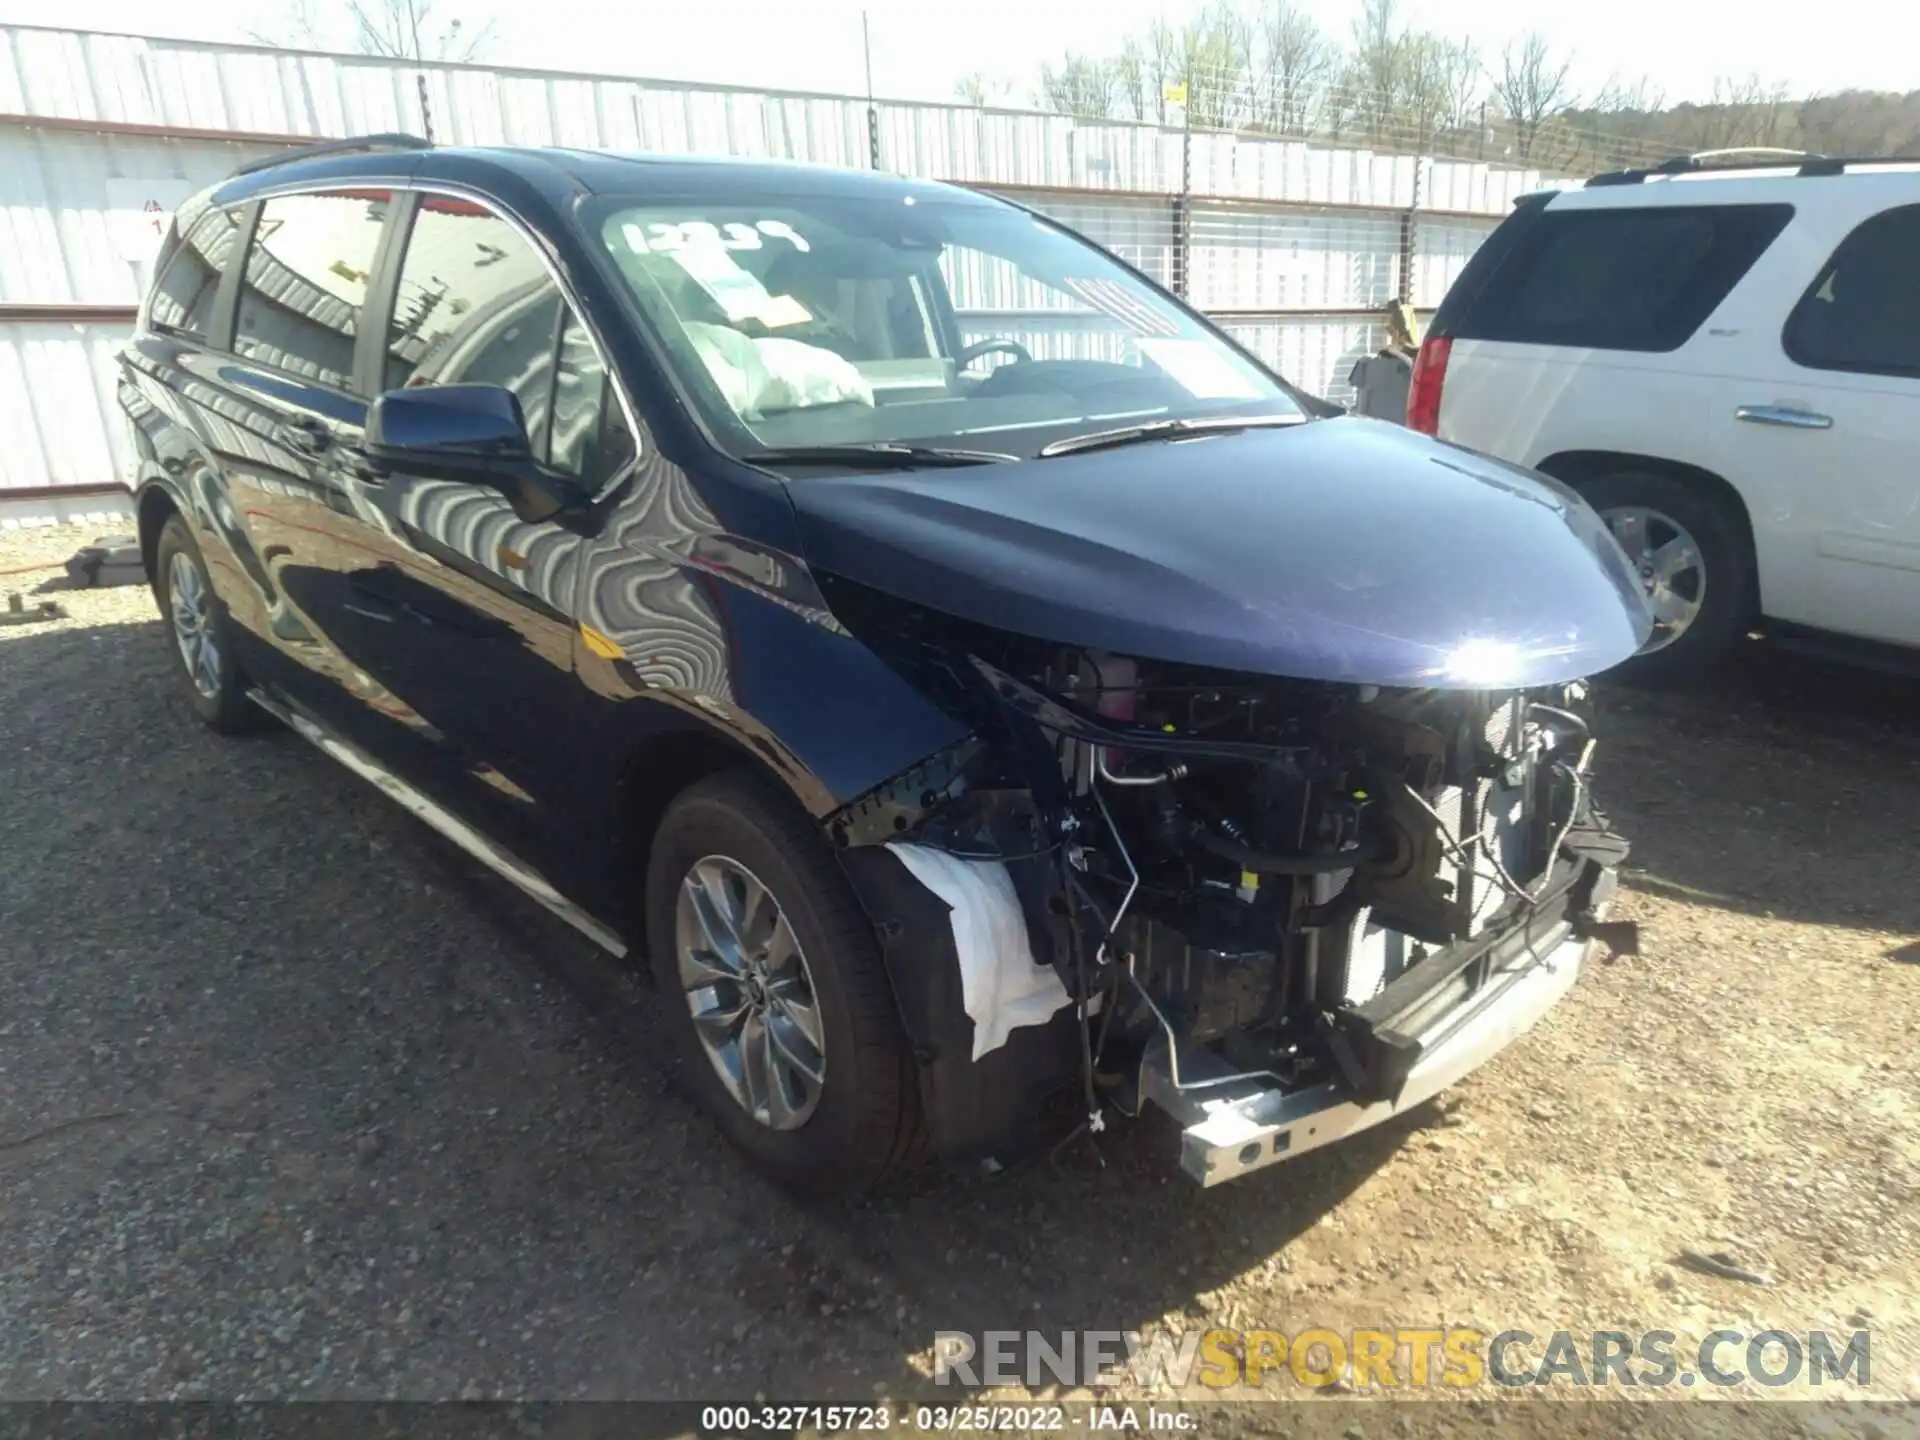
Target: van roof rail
pixel 1751 157
pixel 351 145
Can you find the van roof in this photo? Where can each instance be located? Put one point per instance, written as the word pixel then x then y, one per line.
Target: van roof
pixel 595 171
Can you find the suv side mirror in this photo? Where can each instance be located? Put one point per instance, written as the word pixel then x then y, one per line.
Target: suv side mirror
pixel 470 433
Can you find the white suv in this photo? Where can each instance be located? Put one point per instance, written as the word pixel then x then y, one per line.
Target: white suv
pixel 1726 364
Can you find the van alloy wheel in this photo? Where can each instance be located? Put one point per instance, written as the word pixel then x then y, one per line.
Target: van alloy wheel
pixel 193 629
pixel 750 993
pixel 1666 557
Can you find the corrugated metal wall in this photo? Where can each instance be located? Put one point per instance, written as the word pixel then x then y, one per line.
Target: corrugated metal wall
pixel 237 89
pixel 71 248
pixel 63 239
pixel 1284 240
pixel 57 414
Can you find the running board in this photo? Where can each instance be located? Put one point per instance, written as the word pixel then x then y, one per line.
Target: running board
pixel 507 866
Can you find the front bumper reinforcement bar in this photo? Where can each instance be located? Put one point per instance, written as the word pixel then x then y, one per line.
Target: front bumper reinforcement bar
pixel 1421 1034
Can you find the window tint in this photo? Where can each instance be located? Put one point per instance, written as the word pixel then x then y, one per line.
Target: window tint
pixel 306 282
pixel 189 279
pixel 1621 279
pixel 1863 312
pixel 476 306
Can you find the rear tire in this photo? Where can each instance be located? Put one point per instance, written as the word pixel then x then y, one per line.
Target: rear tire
pixel 1646 510
pixel 200 635
pixel 861 1122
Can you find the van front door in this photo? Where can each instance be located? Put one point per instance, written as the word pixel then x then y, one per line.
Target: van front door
pixel 465 611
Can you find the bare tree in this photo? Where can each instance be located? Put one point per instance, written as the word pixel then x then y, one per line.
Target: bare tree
pixel 1295 61
pixel 1215 52
pixel 1440 84
pixel 1460 78
pixel 414 30
pixel 1748 112
pixel 1532 89
pixel 1137 82
pixel 981 89
pixel 299 28
pixel 1628 97
pixel 1083 85
pixel 398 29
pixel 1376 73
pixel 1861 122
pixel 1162 53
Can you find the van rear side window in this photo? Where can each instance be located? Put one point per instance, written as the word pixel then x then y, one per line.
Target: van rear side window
pixel 306 282
pixel 1621 279
pixel 183 296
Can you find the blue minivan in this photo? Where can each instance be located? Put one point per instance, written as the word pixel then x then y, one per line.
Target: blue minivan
pixel 989 699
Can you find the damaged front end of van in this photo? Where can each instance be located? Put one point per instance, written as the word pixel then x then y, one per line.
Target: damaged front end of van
pixel 1275 809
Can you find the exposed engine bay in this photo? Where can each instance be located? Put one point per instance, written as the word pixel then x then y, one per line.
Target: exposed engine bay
pixel 1250 886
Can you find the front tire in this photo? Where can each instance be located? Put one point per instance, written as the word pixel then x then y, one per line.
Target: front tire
pixel 776 993
pixel 200 634
pixel 1691 553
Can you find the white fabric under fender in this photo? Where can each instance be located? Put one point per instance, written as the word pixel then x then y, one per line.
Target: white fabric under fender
pixel 1000 984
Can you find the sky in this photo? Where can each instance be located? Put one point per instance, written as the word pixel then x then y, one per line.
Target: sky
pixel 922 47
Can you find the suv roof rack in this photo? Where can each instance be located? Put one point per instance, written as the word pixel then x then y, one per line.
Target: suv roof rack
pixel 1748 157
pixel 352 145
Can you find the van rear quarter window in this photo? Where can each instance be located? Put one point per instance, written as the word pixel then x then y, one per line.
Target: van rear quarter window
pixel 189 276
pixel 1621 279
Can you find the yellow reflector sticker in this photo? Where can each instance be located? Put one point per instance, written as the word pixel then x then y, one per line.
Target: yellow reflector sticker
pixel 601 645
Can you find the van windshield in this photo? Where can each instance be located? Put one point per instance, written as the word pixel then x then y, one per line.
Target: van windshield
pixel 844 321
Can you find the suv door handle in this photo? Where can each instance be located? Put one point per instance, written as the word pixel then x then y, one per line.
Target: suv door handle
pixel 1784 415
pixel 304 433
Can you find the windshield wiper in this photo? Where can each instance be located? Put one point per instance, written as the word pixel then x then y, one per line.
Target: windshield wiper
pixel 881 455
pixel 1164 430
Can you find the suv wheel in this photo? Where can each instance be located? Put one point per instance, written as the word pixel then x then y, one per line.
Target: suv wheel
pixel 1694 563
pixel 201 634
pixel 775 989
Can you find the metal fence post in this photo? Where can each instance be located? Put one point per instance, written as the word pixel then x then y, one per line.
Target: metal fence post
pixel 1409 232
pixel 873 111
pixel 426 108
pixel 1183 207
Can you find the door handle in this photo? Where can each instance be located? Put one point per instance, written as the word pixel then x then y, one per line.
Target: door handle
pixel 1784 415
pixel 304 433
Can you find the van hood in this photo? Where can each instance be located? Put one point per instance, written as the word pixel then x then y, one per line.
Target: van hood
pixel 1342 549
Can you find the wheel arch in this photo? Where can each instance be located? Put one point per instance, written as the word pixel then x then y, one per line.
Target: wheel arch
pixel 1575 467
pixel 153 507
pixel 971 1108
pixel 658 769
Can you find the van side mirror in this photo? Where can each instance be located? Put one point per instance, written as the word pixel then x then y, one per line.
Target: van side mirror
pixel 470 433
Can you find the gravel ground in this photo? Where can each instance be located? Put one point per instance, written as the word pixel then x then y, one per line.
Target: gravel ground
pixel 297 1101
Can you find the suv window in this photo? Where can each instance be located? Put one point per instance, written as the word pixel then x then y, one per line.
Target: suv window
pixel 1863 310
pixel 306 281
pixel 189 279
pixel 1633 279
pixel 476 306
